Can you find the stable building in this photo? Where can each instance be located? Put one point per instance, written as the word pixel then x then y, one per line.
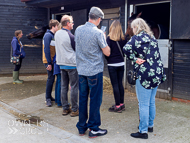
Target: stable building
pixel 170 16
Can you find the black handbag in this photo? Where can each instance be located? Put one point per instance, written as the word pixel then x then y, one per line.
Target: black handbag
pixel 132 75
pixel 14 59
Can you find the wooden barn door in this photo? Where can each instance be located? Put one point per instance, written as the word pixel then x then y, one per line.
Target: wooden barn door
pixel 180 33
pixel 79 18
pixel 181 69
pixel 151 12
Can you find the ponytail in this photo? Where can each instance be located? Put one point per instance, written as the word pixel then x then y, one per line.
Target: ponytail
pixel 17 32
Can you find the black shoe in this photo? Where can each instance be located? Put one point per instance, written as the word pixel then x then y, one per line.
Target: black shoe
pixel 115 109
pixel 52 99
pixel 123 107
pixel 94 134
pixel 140 135
pixel 48 102
pixel 149 129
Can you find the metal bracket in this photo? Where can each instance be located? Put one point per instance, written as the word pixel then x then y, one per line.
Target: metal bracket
pixel 170 45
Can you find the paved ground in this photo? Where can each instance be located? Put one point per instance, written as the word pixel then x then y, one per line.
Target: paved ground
pixel 13 131
pixel 172 123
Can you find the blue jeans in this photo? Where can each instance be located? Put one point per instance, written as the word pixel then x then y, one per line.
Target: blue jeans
pixel 49 83
pixel 116 77
pixel 94 85
pixel 58 90
pixel 147 108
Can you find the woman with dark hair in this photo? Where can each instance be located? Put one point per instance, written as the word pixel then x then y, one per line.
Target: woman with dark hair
pixel 143 49
pixel 116 40
pixel 16 47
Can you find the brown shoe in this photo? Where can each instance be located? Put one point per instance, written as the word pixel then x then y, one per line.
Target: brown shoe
pixel 59 106
pixel 66 112
pixel 73 114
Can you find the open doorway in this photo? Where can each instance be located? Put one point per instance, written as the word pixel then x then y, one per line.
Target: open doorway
pixel 158 13
pixel 58 16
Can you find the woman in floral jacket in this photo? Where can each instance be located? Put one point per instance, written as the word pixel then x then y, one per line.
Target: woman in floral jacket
pixel 150 74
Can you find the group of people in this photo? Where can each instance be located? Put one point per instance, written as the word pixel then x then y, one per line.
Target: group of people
pixel 78 61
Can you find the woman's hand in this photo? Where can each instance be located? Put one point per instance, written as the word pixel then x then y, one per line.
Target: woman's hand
pixel 140 61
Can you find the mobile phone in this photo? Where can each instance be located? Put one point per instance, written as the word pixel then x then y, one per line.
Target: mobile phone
pixel 103 28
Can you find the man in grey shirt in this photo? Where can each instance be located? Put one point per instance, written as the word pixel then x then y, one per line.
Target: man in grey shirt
pixel 91 46
pixel 66 59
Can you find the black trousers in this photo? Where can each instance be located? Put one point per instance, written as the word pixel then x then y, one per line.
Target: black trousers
pixel 17 67
pixel 116 77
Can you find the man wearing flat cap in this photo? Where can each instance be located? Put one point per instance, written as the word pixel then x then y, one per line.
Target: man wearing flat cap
pixel 91 46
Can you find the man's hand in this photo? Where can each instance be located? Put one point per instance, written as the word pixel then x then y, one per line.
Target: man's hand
pixel 140 61
pixel 49 68
pixel 105 34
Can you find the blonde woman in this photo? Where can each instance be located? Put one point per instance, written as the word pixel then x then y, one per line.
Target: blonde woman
pixel 60 26
pixel 16 47
pixel 116 40
pixel 150 73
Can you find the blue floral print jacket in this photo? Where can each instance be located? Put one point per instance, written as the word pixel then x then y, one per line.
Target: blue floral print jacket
pixel 151 72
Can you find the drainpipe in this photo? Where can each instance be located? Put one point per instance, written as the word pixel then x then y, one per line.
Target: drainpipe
pixel 125 59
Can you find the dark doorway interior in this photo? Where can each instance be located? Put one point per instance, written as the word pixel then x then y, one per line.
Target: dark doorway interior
pixel 59 16
pixel 158 13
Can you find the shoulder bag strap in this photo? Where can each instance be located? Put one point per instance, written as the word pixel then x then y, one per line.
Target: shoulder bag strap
pixel 119 48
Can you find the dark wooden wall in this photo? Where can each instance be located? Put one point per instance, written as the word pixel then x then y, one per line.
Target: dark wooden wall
pixel 181 69
pixel 180 24
pixel 122 17
pixel 16 15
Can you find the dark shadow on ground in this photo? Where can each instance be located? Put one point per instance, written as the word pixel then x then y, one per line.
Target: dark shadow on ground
pixel 11 92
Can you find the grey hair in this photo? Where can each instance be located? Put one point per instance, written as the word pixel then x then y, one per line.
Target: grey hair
pixel 93 16
pixel 141 25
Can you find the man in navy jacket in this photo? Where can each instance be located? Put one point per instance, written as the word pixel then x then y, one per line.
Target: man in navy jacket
pixel 48 54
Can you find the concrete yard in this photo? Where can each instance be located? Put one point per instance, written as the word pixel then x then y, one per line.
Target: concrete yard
pixel 172 122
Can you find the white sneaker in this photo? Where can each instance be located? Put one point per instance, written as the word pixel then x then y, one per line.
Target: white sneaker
pixel 100 132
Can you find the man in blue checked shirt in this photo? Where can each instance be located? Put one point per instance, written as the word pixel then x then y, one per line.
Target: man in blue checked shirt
pixel 91 46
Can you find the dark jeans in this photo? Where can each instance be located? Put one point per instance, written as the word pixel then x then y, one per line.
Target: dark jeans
pixel 49 83
pixel 58 90
pixel 69 76
pixel 17 67
pixel 94 85
pixel 116 77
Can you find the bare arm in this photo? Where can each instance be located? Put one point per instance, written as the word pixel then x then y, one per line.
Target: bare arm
pixel 106 51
